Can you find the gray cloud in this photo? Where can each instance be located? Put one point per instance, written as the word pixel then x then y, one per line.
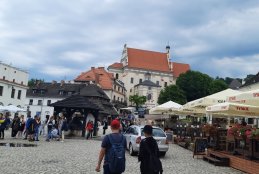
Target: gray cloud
pixel 61 38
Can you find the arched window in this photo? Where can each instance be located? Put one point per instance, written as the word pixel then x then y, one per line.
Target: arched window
pixel 117 76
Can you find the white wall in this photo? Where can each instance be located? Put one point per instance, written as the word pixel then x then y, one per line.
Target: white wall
pixel 126 75
pixel 7 75
pixel 44 109
pixel 144 91
pixel 115 93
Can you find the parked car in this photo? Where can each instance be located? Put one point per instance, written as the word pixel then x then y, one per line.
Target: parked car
pixel 134 134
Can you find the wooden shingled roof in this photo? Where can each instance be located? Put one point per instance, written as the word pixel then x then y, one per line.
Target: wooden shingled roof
pixel 76 101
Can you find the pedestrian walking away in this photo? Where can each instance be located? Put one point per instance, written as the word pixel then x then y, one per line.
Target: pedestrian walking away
pixel 27 124
pixel 21 127
pixel 113 151
pixel 32 128
pixel 64 128
pixel 37 128
pixel 15 126
pixel 149 154
pixel 89 129
pixel 105 126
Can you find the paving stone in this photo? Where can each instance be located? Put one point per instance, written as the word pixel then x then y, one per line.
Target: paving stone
pixel 76 156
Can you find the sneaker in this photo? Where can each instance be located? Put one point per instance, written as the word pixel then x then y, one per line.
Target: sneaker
pixel 47 140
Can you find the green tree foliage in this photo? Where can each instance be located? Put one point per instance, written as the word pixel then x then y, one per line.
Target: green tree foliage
pixel 173 93
pixel 33 82
pixel 217 86
pixel 195 84
pixel 137 100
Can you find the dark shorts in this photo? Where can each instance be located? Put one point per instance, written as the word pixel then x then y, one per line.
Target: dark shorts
pixel 106 170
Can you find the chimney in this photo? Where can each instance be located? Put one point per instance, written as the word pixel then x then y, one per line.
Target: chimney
pixel 92 68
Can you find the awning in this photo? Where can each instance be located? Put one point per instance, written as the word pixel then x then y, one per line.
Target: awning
pixel 248 98
pixel 234 109
pixel 202 103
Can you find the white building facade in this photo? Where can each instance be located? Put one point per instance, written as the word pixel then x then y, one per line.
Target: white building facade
pixel 40 105
pixel 137 66
pixel 150 90
pixel 41 95
pixel 13 85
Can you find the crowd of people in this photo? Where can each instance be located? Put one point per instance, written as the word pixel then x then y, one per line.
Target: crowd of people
pixel 113 145
pixel 31 128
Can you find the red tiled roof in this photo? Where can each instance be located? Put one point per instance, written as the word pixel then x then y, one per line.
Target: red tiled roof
pixel 116 65
pixel 99 75
pixel 179 68
pixel 148 60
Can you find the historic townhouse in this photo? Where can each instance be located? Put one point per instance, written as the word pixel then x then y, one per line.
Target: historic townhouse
pixel 13 85
pixel 113 88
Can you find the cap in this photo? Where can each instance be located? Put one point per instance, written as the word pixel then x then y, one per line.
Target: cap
pixel 115 124
pixel 148 129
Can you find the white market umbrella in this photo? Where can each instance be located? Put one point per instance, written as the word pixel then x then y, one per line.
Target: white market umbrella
pixel 1 108
pixel 234 109
pixel 202 103
pixel 12 108
pixel 165 107
pixel 249 98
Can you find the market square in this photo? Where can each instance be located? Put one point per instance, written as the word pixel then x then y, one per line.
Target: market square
pixel 129 86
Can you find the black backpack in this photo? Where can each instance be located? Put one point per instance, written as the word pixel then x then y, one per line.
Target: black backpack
pixel 154 162
pixel 116 156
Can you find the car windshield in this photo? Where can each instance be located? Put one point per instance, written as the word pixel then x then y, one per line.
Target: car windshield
pixel 156 132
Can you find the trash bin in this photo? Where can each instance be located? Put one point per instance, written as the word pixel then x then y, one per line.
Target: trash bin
pixel 169 136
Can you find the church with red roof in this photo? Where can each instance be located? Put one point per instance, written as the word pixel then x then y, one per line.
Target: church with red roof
pixel 155 68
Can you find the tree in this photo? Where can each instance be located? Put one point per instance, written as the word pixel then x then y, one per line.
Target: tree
pixel 33 82
pixel 173 93
pixel 138 100
pixel 217 86
pixel 195 84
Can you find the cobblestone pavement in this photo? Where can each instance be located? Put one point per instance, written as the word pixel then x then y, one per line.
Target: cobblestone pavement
pixel 80 156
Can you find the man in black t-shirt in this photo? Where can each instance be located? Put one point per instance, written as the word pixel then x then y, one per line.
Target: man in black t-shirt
pixel 106 146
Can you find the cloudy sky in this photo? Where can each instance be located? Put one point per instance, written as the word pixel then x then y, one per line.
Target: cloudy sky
pixel 57 39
